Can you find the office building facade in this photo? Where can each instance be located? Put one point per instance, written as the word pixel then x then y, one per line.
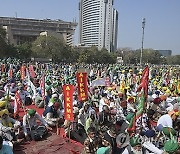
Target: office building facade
pixel 20 30
pixel 98 24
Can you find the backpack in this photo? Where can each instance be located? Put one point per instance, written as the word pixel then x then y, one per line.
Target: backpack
pixel 38 133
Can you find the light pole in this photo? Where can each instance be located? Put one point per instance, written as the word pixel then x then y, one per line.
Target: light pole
pixel 143 26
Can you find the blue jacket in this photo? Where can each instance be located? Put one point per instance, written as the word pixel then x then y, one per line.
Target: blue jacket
pixel 50 109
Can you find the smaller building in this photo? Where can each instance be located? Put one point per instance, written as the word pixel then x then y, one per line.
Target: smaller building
pixel 165 53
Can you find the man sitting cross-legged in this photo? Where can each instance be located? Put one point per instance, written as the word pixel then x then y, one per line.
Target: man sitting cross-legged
pixel 31 128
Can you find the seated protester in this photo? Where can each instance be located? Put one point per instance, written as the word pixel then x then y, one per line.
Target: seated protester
pixel 2 92
pixel 5 149
pixel 148 145
pixel 172 147
pixel 54 99
pixel 121 111
pixel 103 101
pixel 8 126
pixel 119 99
pixel 123 146
pixel 136 146
pixel 142 124
pixel 48 95
pixel 131 105
pixel 110 136
pixel 25 96
pixel 95 97
pixel 92 120
pixel 30 125
pixel 121 126
pixel 112 105
pixel 39 102
pixel 31 89
pixel 7 88
pixel 13 89
pixel 84 114
pixel 103 150
pixel 167 120
pixel 124 108
pixel 72 128
pixel 52 115
pixel 75 100
pixel 93 142
pixel 3 105
pixel 104 118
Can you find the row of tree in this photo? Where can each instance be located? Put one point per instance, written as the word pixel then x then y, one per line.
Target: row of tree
pixel 50 47
pixel 149 56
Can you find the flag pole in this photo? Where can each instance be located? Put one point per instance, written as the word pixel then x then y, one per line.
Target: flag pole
pixel 57 129
pixel 69 133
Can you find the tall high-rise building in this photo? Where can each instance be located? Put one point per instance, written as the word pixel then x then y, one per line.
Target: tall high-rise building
pixel 98 23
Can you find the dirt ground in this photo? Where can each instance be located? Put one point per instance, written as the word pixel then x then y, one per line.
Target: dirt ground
pixel 52 144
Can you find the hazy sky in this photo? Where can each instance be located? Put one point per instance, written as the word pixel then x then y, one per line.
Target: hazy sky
pixel 162 30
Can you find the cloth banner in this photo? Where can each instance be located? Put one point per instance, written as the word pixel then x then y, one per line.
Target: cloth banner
pixel 68 91
pixel 42 86
pixel 22 72
pixel 17 104
pixel 82 86
pixel 32 72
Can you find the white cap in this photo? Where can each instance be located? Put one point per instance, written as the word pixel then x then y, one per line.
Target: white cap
pixel 54 95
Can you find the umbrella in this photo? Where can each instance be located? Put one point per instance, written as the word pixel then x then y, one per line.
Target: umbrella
pixel 98 82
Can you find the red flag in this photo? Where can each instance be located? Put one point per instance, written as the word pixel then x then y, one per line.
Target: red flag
pixel 144 81
pixel 107 81
pixel 17 104
pixel 11 73
pixel 134 78
pixel 82 86
pixel 68 102
pixel 167 78
pixel 32 72
pixel 3 68
pixel 42 86
pixel 22 72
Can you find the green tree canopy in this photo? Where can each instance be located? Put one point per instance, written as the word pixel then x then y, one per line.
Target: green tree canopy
pixel 93 55
pixel 149 56
pixel 48 47
pixel 3 42
pixel 24 50
pixel 173 60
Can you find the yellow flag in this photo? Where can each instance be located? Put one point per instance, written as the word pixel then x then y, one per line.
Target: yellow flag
pixel 122 86
pixel 178 87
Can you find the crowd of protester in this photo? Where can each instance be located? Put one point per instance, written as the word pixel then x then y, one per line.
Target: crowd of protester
pixel 108 122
